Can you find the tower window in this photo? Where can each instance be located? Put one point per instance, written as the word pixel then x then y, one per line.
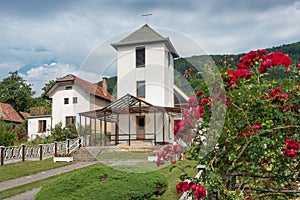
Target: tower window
pixel 66 100
pixel 74 100
pixel 140 88
pixel 140 57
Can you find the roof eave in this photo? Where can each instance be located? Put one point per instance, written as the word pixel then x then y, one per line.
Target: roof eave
pixel 165 40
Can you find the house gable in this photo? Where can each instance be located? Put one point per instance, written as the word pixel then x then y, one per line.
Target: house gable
pixel 90 88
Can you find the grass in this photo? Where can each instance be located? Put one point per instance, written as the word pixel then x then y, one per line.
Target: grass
pixel 16 170
pixel 122 155
pixel 173 178
pixel 20 189
pixel 102 182
pixel 86 183
pixel 91 176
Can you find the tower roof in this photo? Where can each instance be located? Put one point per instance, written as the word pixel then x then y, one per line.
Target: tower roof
pixel 145 35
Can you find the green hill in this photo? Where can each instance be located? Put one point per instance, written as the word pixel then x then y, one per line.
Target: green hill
pixel 182 64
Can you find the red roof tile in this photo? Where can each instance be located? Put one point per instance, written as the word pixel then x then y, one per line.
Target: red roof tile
pixel 8 113
pixel 25 115
pixel 87 86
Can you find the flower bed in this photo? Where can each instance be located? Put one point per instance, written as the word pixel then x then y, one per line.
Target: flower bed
pixel 65 157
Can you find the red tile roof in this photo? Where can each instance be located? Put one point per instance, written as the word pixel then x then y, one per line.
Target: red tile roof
pixel 87 86
pixel 8 113
pixel 25 115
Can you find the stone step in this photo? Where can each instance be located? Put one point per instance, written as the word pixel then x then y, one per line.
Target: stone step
pixel 84 155
pixel 137 143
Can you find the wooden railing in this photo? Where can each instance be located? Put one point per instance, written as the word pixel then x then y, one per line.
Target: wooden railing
pixel 21 153
pixel 132 137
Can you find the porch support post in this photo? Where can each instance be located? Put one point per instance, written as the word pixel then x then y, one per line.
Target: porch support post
pixel 117 130
pixel 91 131
pixel 95 132
pixel 80 134
pixel 105 128
pixel 85 136
pixel 129 137
pixel 155 127
pixel 140 107
pixel 100 132
pixel 163 120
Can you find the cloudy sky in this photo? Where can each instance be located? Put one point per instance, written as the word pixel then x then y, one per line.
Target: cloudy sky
pixel 52 38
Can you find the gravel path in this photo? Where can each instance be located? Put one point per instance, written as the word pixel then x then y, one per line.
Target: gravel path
pixel 29 195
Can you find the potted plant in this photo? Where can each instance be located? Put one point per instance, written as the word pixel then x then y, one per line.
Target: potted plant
pixel 64 157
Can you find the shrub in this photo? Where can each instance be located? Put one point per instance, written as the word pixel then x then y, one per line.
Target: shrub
pixel 7 136
pixel 61 134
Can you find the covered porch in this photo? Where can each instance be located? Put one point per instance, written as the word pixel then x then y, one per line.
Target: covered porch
pixel 126 120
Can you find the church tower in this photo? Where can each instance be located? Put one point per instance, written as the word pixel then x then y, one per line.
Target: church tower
pixel 145 67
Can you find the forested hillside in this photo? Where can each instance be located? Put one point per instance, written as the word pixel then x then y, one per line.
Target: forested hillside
pixel 182 64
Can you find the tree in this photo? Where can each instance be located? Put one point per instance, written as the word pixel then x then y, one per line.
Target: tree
pixel 41 101
pixel 15 91
pixel 7 137
pixel 47 86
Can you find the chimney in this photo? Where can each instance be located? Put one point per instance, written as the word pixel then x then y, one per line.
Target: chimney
pixel 104 85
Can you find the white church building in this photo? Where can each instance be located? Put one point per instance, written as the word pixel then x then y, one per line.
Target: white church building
pixel 147 102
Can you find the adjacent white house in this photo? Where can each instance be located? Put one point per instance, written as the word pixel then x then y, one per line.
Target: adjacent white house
pixel 70 96
pixel 145 107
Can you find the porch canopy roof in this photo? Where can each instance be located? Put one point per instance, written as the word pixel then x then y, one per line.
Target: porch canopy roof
pixel 127 104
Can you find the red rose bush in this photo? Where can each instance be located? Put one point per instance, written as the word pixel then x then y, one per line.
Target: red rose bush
pixel 257 149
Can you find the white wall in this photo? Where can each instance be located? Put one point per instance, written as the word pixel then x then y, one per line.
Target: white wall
pixel 158 76
pixel 60 110
pixel 33 126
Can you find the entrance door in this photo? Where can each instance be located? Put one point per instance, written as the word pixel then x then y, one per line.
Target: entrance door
pixel 140 127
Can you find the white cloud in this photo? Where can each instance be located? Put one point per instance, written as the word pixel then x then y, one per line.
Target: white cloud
pixel 72 30
pixel 41 75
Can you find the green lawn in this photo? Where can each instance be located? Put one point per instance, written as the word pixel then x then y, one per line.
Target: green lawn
pixel 16 170
pixel 90 182
pixel 102 182
pixel 123 155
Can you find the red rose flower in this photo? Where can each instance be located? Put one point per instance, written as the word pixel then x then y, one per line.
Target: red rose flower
pixel 199 192
pixel 192 102
pixel 256 127
pixel 199 93
pixel 204 100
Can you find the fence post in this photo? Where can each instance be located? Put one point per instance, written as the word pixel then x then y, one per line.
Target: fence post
pixel 23 152
pixel 79 143
pixel 2 155
pixel 55 148
pixel 41 151
pixel 68 145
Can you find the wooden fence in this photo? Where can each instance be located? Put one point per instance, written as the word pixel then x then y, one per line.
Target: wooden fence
pixel 21 153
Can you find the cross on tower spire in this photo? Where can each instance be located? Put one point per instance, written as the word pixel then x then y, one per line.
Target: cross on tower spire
pixel 146 16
